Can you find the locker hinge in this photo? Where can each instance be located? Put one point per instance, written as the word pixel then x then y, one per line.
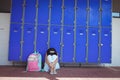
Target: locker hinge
pixel 63 7
pixel 21 42
pixel 86 45
pixel 36 5
pixel 50 6
pixel 88 9
pixel 100 9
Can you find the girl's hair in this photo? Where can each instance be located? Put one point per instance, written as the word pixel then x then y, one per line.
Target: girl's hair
pixel 51 51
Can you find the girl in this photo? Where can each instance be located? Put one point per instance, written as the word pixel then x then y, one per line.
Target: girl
pixel 51 61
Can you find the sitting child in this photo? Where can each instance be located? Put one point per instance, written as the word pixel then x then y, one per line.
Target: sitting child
pixel 51 61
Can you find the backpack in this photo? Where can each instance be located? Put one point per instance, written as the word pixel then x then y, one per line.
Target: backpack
pixel 34 62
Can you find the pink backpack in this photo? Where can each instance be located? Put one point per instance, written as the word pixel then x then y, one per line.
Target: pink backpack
pixel 34 62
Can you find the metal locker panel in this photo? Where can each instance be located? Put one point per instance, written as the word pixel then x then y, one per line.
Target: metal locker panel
pixel 16 11
pixel 42 38
pixel 69 12
pixel 81 12
pixel 28 44
pixel 56 12
pixel 106 13
pixel 106 45
pixel 68 47
pixel 80 45
pixel 43 11
pixel 93 45
pixel 94 13
pixel 55 36
pixel 30 11
pixel 14 42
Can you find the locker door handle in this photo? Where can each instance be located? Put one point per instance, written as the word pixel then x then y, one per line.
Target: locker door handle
pixel 15 30
pixel 81 34
pixel 93 34
pixel 101 44
pixel 42 32
pixel 1 28
pixel 68 33
pixel 105 34
pixel 55 32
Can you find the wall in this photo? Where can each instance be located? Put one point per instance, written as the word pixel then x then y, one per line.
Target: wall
pixel 4 38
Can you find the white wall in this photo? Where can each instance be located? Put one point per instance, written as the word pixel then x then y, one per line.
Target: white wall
pixel 4 40
pixel 115 42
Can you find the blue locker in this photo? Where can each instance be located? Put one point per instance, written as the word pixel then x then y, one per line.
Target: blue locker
pixel 94 13
pixel 80 45
pixel 55 36
pixel 30 11
pixel 81 12
pixel 16 11
pixel 106 13
pixel 43 11
pixel 42 39
pixel 68 48
pixel 69 12
pixel 56 12
pixel 28 44
pixel 106 45
pixel 93 45
pixel 14 42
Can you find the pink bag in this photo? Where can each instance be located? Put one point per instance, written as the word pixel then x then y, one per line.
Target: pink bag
pixel 33 62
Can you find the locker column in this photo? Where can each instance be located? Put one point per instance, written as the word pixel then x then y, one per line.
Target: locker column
pixel 87 29
pixel 22 31
pixel 49 23
pixel 75 10
pixel 62 28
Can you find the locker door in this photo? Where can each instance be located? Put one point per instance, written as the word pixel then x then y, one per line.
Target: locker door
pixel 42 38
pixel 56 12
pixel 14 42
pixel 68 49
pixel 30 11
pixel 69 12
pixel 94 13
pixel 106 45
pixel 81 12
pixel 28 45
pixel 16 11
pixel 55 38
pixel 106 12
pixel 81 45
pixel 43 11
pixel 93 45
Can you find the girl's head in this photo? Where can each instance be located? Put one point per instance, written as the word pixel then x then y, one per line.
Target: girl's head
pixel 51 51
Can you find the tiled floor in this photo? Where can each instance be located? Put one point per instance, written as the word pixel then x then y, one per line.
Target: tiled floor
pixel 65 73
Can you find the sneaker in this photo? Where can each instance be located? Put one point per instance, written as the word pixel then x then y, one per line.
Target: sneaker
pixel 51 73
pixel 55 72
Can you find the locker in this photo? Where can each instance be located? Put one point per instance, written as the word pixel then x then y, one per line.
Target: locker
pixel 55 35
pixel 28 45
pixel 56 12
pixel 106 45
pixel 69 12
pixel 94 13
pixel 42 38
pixel 68 48
pixel 16 11
pixel 43 11
pixel 30 11
pixel 93 45
pixel 81 12
pixel 81 45
pixel 106 13
pixel 14 42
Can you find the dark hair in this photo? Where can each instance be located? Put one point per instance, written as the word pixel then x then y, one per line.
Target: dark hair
pixel 49 51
